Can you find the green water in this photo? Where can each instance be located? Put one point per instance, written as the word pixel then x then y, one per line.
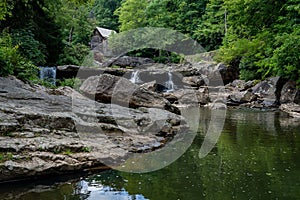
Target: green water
pixel 257 157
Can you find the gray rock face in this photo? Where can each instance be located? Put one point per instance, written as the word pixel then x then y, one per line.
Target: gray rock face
pixel 194 81
pixel 269 91
pixel 154 87
pixel 240 85
pixel 190 96
pixel 128 61
pixel 209 68
pixel 42 133
pixel 243 97
pixel 290 93
pixel 112 89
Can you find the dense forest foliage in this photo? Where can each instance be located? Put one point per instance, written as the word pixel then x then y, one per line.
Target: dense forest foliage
pixel 261 37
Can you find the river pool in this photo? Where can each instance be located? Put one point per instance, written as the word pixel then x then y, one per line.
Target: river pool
pixel 257 157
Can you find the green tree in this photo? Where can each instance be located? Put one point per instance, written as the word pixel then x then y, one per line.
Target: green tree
pixel 12 62
pixel 212 28
pixel 34 16
pixel 103 10
pixel 76 24
pixel 132 14
pixel 5 8
pixel 259 38
pixel 29 47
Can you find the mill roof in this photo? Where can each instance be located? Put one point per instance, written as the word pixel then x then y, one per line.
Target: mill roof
pixel 105 32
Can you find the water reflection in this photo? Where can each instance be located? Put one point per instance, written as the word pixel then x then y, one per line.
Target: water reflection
pixel 257 157
pixel 95 191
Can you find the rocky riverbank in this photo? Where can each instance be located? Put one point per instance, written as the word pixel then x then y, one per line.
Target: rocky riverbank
pixel 45 131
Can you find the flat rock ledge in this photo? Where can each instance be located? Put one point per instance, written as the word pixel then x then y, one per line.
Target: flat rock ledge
pixel 45 132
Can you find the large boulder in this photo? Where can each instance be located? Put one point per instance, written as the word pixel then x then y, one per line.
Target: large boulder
pixel 67 71
pixel 128 61
pixel 243 97
pixel 83 72
pixel 269 91
pixel 112 89
pixel 42 133
pixel 290 93
pixel 211 69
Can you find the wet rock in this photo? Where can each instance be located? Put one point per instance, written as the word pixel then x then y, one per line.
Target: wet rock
pixel 112 89
pixel 292 109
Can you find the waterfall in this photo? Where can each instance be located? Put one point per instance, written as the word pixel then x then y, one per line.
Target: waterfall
pixel 48 74
pixel 135 77
pixel 170 84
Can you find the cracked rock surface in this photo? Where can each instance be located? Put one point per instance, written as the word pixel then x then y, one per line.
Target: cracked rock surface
pixel 45 131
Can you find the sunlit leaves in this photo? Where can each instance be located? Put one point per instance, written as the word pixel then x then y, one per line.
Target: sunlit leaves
pixel 132 14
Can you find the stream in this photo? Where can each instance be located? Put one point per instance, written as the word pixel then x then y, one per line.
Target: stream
pixel 257 157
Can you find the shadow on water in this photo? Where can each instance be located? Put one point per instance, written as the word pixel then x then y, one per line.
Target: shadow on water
pixel 256 157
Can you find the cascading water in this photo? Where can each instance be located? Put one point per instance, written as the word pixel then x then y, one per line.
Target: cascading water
pixel 169 83
pixel 48 74
pixel 135 78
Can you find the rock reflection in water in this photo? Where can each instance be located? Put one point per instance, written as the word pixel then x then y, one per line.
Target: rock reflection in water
pixel 98 187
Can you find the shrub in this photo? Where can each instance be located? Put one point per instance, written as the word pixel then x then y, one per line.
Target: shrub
pixel 286 59
pixel 29 47
pixel 11 61
pixel 71 82
pixel 74 54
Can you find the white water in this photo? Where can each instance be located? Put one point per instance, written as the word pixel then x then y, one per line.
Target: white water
pixel 170 84
pixel 135 78
pixel 48 74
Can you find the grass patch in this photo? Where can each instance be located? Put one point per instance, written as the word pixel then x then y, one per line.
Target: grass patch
pixel 6 134
pixel 6 156
pixel 68 152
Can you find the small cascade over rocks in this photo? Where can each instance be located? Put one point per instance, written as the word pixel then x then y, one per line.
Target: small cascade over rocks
pixel 169 84
pixel 135 77
pixel 48 74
